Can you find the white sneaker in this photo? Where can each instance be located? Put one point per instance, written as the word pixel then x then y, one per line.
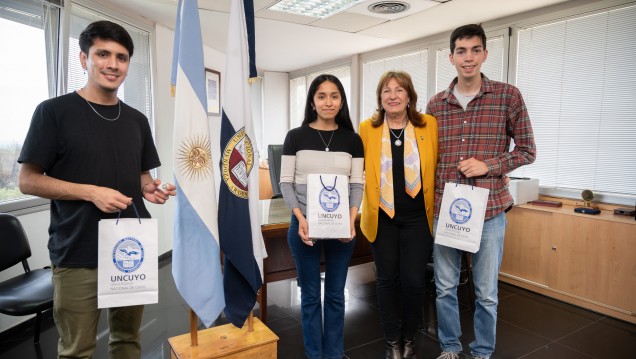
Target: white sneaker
pixel 448 355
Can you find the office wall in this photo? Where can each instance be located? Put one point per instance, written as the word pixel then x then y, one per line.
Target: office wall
pixel 275 107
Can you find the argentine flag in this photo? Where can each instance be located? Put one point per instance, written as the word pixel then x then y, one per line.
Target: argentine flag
pixel 196 265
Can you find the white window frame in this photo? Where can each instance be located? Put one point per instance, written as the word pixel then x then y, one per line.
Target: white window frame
pixel 27 203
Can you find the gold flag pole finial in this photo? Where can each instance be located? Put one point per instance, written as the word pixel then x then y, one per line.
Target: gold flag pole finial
pixel 252 80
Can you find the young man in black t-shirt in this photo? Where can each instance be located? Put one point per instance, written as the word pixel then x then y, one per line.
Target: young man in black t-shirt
pixel 91 154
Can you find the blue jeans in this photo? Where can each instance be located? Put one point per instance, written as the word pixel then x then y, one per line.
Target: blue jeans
pixel 319 343
pixel 486 264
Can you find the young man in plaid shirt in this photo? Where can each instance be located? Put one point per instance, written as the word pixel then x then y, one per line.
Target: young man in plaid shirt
pixel 477 119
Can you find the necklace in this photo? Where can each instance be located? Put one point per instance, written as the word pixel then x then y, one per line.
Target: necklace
pixel 397 138
pixel 323 141
pixel 99 114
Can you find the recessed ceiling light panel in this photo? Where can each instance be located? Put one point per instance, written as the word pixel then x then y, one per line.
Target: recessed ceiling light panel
pixel 314 8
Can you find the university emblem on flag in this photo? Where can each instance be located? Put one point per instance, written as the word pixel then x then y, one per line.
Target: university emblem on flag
pixel 460 211
pixel 195 158
pixel 128 254
pixel 238 159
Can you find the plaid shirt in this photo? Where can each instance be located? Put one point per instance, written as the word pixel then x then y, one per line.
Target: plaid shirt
pixel 483 131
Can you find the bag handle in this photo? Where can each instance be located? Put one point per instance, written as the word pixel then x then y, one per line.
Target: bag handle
pixel 335 180
pixel 468 179
pixel 136 212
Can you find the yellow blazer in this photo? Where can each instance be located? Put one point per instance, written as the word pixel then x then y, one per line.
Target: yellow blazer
pixel 372 140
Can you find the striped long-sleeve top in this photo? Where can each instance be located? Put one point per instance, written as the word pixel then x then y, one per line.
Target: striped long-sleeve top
pixel 304 153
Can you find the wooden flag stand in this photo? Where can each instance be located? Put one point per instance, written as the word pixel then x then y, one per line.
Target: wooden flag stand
pixel 226 341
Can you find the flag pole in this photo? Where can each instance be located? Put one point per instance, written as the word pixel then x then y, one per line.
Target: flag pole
pixel 194 339
pixel 250 321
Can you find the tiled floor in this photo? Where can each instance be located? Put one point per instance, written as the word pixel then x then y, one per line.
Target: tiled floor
pixel 530 325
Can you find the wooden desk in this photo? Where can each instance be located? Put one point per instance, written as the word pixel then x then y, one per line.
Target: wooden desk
pixel 279 265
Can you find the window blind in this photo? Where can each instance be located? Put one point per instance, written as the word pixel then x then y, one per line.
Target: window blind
pixel 578 80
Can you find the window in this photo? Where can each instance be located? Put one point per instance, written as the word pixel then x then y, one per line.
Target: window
pixel 298 92
pixel 578 81
pixel 25 76
pixel 415 64
pixel 297 98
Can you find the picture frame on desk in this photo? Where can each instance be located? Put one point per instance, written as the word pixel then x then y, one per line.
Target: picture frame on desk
pixel 213 91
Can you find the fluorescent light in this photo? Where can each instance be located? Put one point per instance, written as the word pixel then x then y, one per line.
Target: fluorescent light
pixel 314 8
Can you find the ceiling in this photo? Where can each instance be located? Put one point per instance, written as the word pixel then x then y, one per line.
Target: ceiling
pixel 287 42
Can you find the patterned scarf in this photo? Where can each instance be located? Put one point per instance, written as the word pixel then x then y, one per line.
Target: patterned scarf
pixel 412 173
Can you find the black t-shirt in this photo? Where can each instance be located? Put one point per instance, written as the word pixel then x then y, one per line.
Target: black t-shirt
pixel 72 143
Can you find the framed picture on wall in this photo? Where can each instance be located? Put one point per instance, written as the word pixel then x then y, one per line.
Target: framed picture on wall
pixel 213 91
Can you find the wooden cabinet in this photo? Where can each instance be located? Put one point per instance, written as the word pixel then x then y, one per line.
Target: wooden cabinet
pixel 527 245
pixel 589 261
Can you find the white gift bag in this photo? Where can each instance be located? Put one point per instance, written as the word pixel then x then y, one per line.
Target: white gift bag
pixel 328 206
pixel 461 217
pixel 127 265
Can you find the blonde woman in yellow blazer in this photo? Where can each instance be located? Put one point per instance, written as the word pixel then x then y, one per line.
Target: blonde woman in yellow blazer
pixel 400 156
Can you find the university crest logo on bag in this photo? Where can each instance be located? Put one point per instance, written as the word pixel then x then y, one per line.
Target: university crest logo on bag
pixel 128 255
pixel 329 199
pixel 460 211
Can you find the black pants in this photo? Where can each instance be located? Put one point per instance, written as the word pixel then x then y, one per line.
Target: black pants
pixel 401 250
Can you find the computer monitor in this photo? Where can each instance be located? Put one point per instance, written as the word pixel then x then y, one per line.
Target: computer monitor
pixel 274 155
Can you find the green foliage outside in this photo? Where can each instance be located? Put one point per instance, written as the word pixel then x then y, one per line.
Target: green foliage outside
pixel 9 169
pixel 7 194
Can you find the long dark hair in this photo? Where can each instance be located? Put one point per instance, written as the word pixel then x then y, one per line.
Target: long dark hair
pixel 342 117
pixel 404 80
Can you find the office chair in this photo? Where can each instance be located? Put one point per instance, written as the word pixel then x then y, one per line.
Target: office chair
pixel 274 155
pixel 28 293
